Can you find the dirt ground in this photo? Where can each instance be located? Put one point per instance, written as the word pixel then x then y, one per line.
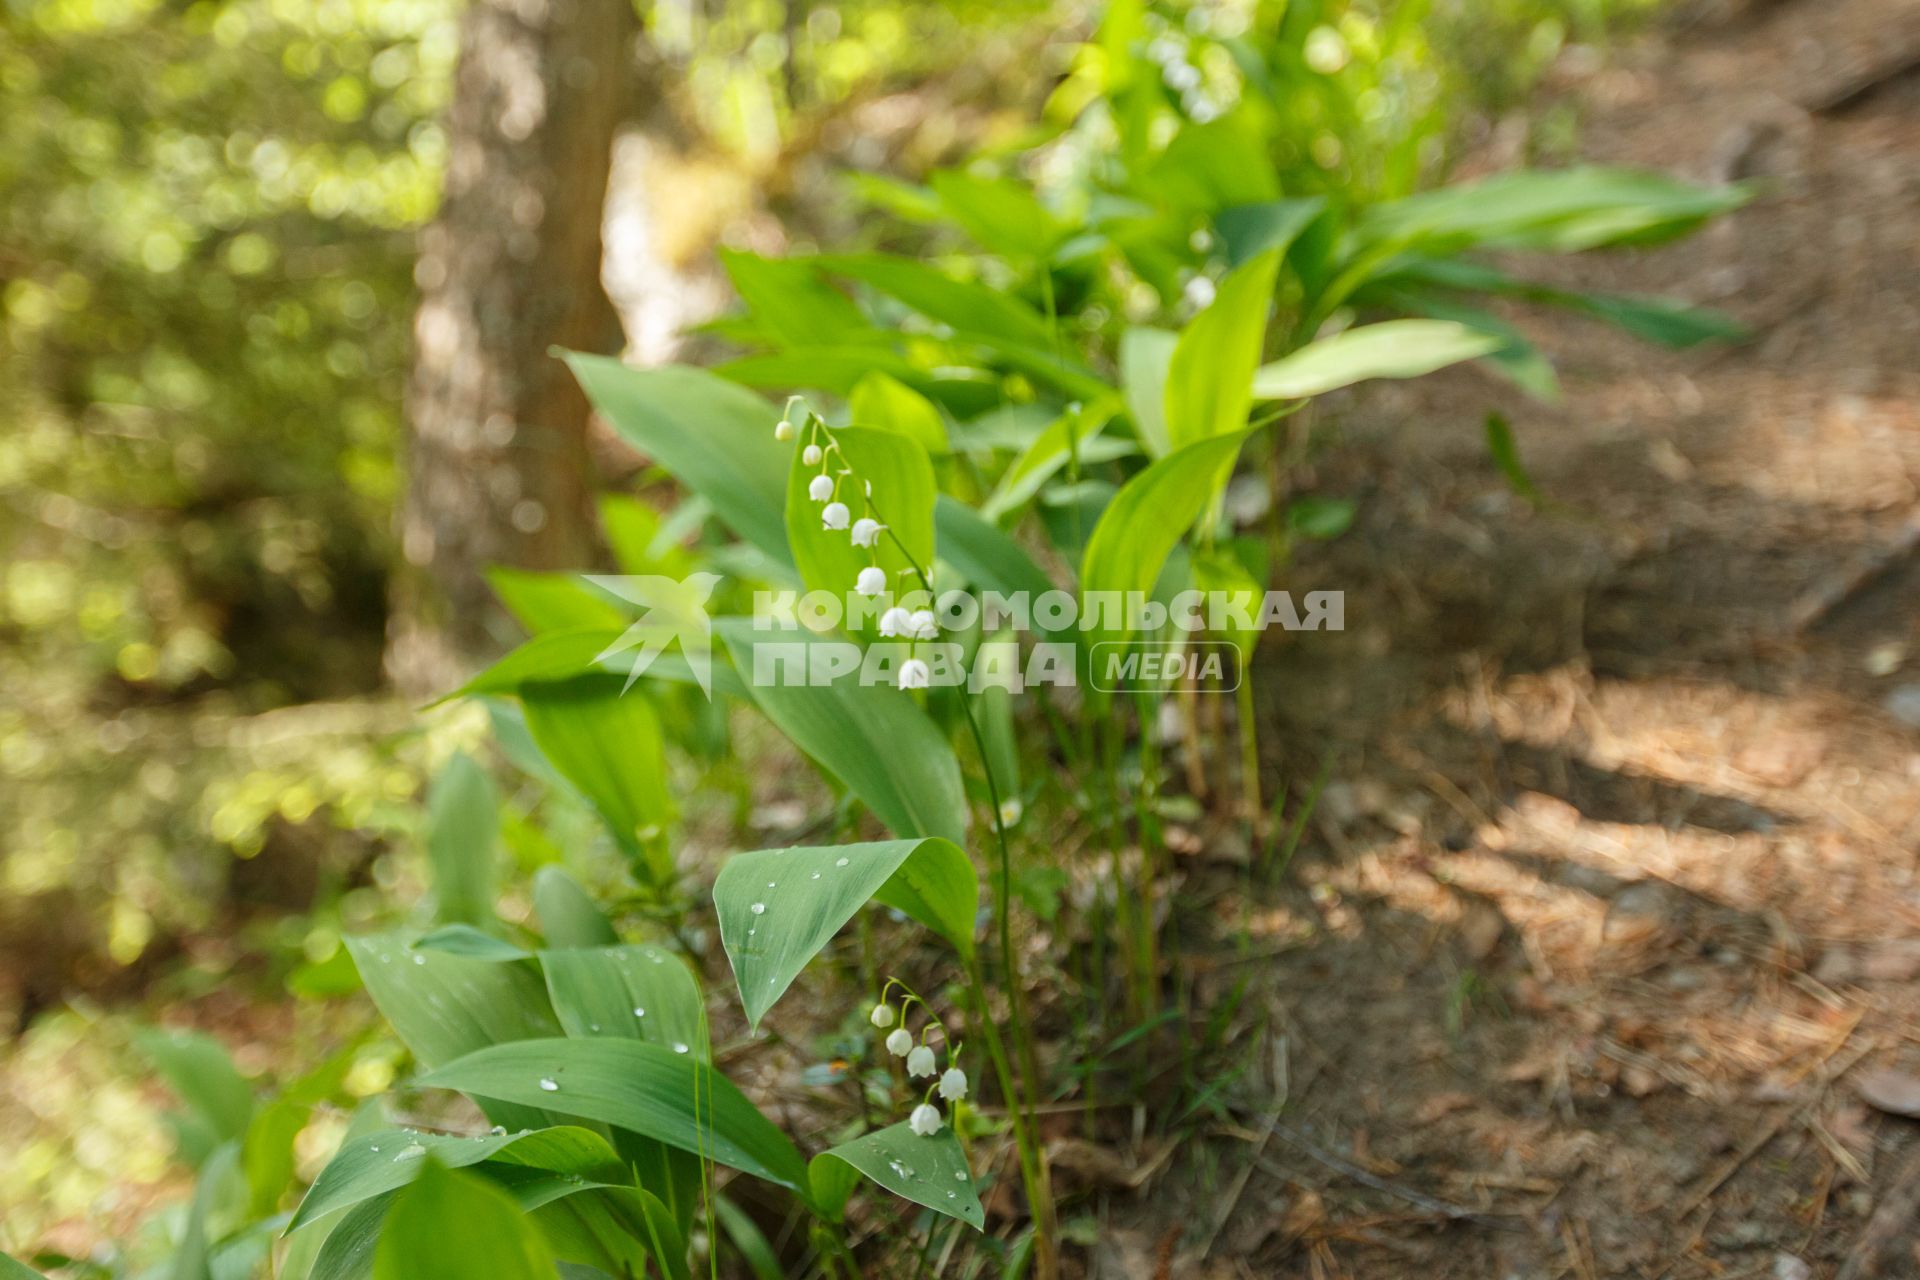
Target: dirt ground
pixel 1602 954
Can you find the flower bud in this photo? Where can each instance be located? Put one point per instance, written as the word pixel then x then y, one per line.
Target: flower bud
pixel 811 455
pixel 783 430
pixel 820 488
pixel 925 1120
pixel 920 1062
pixel 882 1015
pixel 834 514
pixel 900 1042
pixel 953 1084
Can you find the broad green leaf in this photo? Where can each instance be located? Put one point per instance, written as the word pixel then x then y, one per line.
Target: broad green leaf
pixel 985 553
pixel 652 1090
pixel 1390 349
pixel 266 1153
pixel 568 915
pixel 962 306
pixel 374 1163
pixel 1002 215
pixel 892 405
pixel 779 907
pixel 1213 166
pixel 608 744
pixel 876 740
pixel 1051 450
pixel 836 369
pixel 747 1238
pixel 930 1171
pixel 615 1230
pixel 1146 354
pixel 1210 377
pixel 558 656
pixel 713 437
pixel 465 940
pixel 1253 229
pixel 900 475
pixel 218 1184
pixel 199 1070
pixel 639 992
pixel 1516 359
pixel 790 301
pixel 454 1226
pixel 551 601
pixel 640 539
pixel 442 1005
pixel 11 1269
pixel 463 823
pixel 1561 211
pixel 1143 523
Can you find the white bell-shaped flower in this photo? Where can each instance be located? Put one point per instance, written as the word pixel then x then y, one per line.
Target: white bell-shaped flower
pixel 953 1084
pixel 783 430
pixel 895 621
pixel 920 1062
pixel 866 531
pixel 921 626
pixel 820 488
pixel 925 1120
pixel 872 581
pixel 882 1015
pixel 811 455
pixel 914 674
pixel 900 1042
pixel 834 514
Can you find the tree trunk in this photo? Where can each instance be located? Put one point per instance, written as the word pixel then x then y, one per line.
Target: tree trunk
pixel 499 467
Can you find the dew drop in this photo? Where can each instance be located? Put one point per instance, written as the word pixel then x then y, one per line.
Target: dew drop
pixel 679 1046
pixel 498 1131
pixel 770 884
pixel 758 908
pixel 419 959
pixel 949 1195
pixel 551 1086
pixel 638 1012
pixel 375 1150
pixel 593 1026
pixel 960 1176
pixel 412 1151
pixel 816 875
pixel 841 863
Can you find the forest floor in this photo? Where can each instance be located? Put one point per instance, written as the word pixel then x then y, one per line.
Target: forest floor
pixel 1602 954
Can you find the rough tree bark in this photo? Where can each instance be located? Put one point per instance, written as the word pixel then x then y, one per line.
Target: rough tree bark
pixel 499 467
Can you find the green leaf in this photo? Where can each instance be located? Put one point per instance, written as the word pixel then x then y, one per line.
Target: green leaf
pixel 266 1154
pixel 1145 521
pixel 1321 518
pixel 1050 450
pixel 837 369
pixel 442 1005
pixel 713 436
pixel 748 1240
pixel 655 1092
pixel 10 1269
pixel 1001 214
pixel 463 822
pixel 551 601
pixel 465 940
pixel 962 306
pixel 1210 377
pixel 637 992
pixel 200 1071
pixel 901 477
pixel 930 1171
pixel 984 553
pixel 876 740
pixel 1390 349
pixel 1146 355
pixel 559 656
pixel 608 744
pixel 790 301
pixel 568 915
pixel 1249 230
pixel 454 1226
pixel 1506 456
pixel 998 656
pixel 892 405
pixel 615 1230
pixel 371 1164
pixel 779 907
